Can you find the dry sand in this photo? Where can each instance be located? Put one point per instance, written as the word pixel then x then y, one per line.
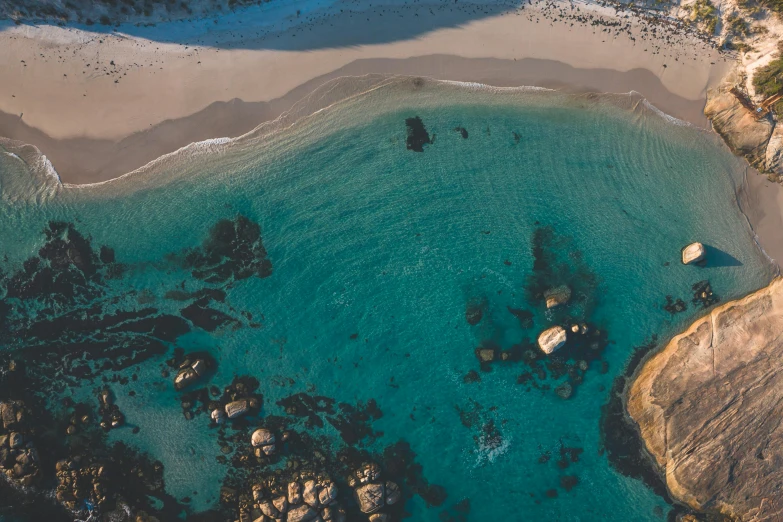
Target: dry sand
pixel 95 93
pixel 100 105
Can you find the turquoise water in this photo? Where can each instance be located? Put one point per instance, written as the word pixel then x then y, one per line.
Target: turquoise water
pixel 368 238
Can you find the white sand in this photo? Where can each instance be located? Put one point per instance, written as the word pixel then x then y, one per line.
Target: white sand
pixel 58 93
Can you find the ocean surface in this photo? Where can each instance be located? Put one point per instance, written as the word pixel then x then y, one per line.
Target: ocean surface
pixel 381 258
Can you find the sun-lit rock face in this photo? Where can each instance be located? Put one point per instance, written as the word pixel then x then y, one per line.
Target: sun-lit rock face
pixel 709 408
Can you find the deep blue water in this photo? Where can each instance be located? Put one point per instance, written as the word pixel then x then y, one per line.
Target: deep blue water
pixel 376 253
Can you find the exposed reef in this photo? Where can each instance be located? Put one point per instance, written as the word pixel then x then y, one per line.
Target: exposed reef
pixel 708 408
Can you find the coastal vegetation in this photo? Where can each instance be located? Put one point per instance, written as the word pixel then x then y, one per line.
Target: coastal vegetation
pixel 704 14
pixel 768 79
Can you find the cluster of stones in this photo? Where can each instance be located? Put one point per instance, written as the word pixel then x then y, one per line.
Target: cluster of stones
pixel 239 403
pixel 233 409
pixel 76 483
pixel 307 499
pixel 373 494
pixel 111 416
pixel 190 370
pixel 18 457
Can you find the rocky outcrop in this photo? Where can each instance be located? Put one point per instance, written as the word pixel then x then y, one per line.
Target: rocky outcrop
pixel 709 409
pixel 552 339
pixel 737 125
pixel 303 500
pixel 372 494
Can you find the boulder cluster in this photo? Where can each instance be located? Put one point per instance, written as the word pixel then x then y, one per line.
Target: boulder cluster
pixel 308 498
pixel 372 494
pixel 111 416
pixel 77 484
pixel 18 456
pixel 190 370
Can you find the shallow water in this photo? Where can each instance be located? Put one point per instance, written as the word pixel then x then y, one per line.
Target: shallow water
pixel 376 252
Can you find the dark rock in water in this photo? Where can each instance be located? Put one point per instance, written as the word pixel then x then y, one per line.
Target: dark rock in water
pixel 564 391
pixel 206 318
pixel 524 317
pixel 568 482
pixel 233 250
pixel 463 132
pixel 474 311
pixel 619 436
pixel 107 255
pixel 674 307
pixel 400 460
pixel 471 377
pixel 417 134
pixel 702 294
pixel 64 273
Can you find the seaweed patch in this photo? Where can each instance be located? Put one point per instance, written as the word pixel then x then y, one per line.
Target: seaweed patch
pixel 417 135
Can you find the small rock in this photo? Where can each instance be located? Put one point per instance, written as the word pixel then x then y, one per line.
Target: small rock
pixel 281 503
pixel 15 440
pixel 303 513
pixel 262 437
pixel 564 391
pixel 557 296
pixel 236 408
pixel 392 493
pixel 218 416
pixel 310 494
pixel 294 492
pixel 327 494
pixel 269 509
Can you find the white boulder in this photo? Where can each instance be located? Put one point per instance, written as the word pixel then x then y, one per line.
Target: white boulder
pixel 552 339
pixel 693 253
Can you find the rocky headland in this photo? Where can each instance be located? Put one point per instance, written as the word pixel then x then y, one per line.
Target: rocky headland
pixel 708 408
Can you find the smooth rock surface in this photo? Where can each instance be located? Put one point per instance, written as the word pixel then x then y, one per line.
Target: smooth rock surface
pixel 262 437
pixel 552 339
pixel 709 409
pixel 693 253
pixel 737 125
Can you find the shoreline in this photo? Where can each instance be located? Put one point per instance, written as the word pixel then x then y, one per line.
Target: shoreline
pixel 100 105
pixel 122 115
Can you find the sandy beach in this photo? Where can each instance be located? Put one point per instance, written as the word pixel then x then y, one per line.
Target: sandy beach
pixel 101 104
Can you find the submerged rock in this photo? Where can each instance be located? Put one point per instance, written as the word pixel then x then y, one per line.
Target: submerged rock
pixel 557 296
pixel 709 405
pixel 552 339
pixel 693 253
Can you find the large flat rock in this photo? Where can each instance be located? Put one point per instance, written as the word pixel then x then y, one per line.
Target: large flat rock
pixel 710 409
